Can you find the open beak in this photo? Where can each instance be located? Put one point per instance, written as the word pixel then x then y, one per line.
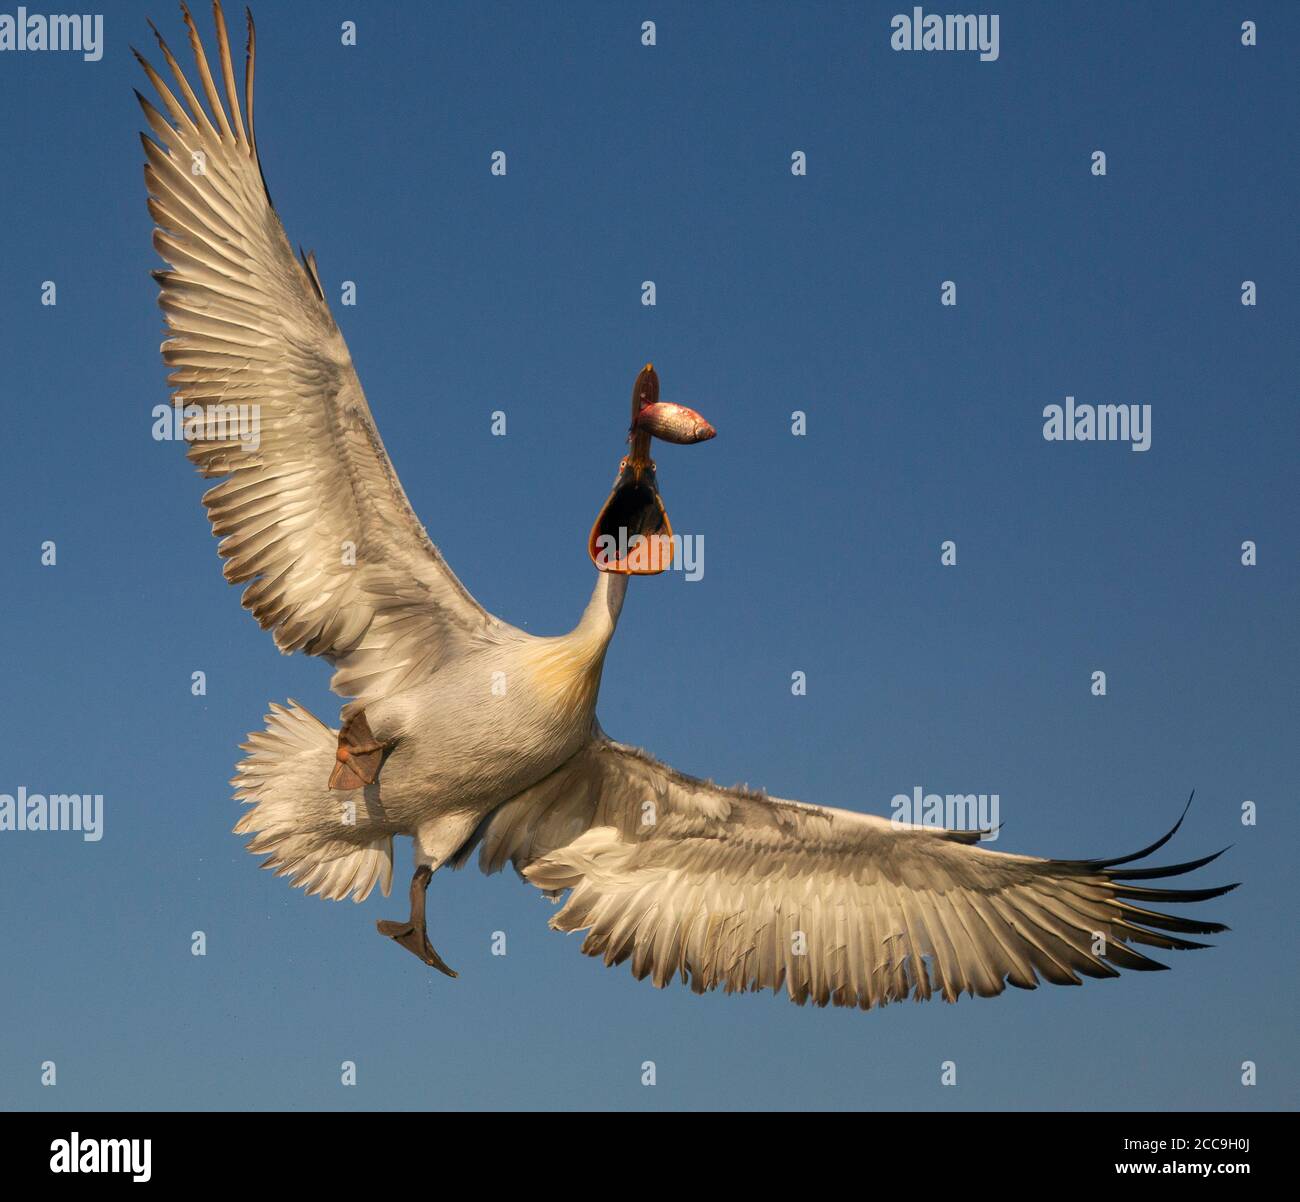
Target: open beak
pixel 632 534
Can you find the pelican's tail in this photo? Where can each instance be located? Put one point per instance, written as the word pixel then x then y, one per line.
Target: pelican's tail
pixel 318 837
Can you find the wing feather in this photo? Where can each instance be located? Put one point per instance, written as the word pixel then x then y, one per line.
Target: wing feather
pixel 730 888
pixel 311 516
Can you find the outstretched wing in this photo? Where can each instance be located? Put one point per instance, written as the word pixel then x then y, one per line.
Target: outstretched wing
pixel 730 888
pixel 310 511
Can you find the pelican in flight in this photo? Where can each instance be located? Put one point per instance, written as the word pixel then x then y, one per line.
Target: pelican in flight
pixel 464 733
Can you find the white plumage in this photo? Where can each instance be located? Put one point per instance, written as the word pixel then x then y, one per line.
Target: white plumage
pixel 722 887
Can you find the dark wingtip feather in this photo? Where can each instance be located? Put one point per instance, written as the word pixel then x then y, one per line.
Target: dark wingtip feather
pixel 161 43
pixel 1136 934
pixel 1124 956
pixel 1137 855
pixel 250 66
pixel 1151 874
pixel 189 19
pixel 1171 922
pixel 1138 893
pixel 309 264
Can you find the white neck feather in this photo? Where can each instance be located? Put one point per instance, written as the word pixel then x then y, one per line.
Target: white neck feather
pixel 566 670
pixel 600 618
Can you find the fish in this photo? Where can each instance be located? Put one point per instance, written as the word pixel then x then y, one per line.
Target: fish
pixel 673 423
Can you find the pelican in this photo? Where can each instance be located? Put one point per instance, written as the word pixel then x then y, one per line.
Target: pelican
pixel 464 733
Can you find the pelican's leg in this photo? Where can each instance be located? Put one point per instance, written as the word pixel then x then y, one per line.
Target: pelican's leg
pixel 412 934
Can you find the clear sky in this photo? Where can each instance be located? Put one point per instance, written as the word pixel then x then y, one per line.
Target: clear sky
pixel 775 293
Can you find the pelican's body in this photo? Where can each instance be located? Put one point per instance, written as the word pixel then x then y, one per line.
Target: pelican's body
pixel 485 727
pixel 463 732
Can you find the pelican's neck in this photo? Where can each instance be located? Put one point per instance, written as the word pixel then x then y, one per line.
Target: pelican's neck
pixel 565 671
pixel 600 618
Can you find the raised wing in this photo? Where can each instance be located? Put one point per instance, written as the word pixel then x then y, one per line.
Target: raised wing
pixel 310 511
pixel 730 888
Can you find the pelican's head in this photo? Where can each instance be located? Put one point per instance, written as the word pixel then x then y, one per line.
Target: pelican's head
pixel 632 534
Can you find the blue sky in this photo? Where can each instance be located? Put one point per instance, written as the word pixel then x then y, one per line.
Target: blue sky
pixel 775 293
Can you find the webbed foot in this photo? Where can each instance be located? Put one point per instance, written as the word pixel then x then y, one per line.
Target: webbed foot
pixel 359 755
pixel 412 934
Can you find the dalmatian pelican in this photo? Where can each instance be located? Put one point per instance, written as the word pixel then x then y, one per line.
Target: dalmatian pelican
pixel 464 733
